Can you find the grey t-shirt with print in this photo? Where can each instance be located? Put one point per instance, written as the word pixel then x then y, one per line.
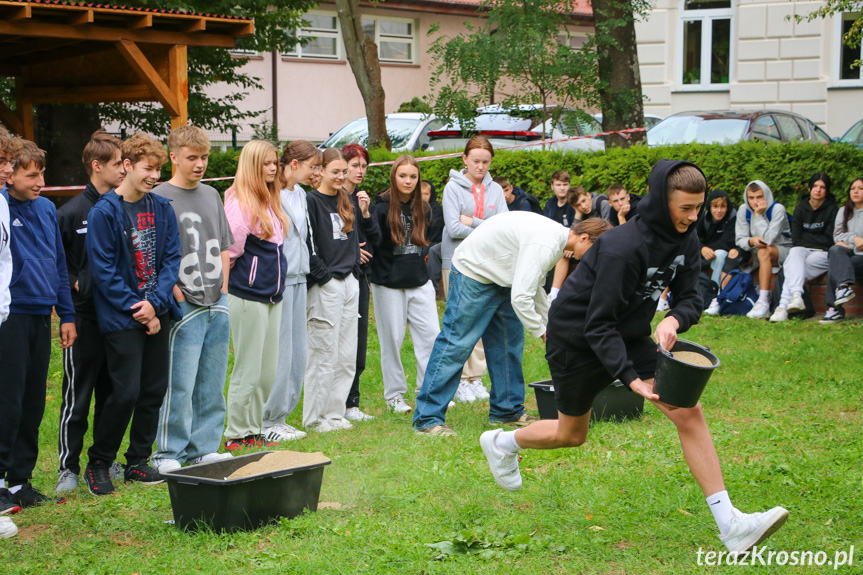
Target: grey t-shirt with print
pixel 204 235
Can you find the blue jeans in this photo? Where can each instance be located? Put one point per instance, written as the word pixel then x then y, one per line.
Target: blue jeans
pixel 192 417
pixel 717 264
pixel 474 310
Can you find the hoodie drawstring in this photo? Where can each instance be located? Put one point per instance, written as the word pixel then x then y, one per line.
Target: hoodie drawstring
pixel 479 199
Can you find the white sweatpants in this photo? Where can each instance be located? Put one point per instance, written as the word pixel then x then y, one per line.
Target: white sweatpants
pixel 332 313
pixel 395 310
pixel 801 265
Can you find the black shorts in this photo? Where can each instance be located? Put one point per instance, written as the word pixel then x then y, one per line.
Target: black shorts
pixel 579 376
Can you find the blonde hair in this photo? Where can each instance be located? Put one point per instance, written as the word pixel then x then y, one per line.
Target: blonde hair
pixel 188 137
pixel 255 196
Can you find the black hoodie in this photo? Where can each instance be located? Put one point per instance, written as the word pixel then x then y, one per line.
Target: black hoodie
pixel 612 295
pixel 72 218
pixel 717 235
pixel 399 266
pixel 633 210
pixel 813 229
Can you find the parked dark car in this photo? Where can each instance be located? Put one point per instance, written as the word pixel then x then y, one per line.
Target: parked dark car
pixel 854 135
pixel 732 126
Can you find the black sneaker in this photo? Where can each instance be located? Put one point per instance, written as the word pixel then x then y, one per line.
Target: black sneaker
pixel 98 478
pixel 142 473
pixel 8 505
pixel 27 496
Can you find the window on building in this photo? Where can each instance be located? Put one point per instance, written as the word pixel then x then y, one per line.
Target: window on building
pixel 325 37
pixel 706 43
pixel 396 39
pixel 849 56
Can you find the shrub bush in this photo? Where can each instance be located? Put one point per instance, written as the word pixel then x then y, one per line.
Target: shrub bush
pixel 786 168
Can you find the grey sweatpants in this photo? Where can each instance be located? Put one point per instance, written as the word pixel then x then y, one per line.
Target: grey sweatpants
pixel 332 313
pixel 293 354
pixel 396 310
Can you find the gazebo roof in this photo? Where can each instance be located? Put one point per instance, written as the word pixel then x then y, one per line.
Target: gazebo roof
pixel 76 52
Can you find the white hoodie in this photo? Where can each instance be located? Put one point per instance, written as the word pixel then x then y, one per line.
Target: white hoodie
pixel 515 250
pixel 776 231
pixel 5 260
pixel 843 233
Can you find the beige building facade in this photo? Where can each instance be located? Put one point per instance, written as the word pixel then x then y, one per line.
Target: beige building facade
pixel 744 54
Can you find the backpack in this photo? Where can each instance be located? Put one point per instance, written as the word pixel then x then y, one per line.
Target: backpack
pixel 778 282
pixel 708 289
pixel 769 215
pixel 535 206
pixel 739 294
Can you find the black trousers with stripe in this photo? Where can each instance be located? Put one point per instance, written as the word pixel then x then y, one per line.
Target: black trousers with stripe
pixel 85 371
pixel 25 352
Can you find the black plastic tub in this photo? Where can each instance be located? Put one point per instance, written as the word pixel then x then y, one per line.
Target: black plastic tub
pixel 201 496
pixel 681 384
pixel 614 403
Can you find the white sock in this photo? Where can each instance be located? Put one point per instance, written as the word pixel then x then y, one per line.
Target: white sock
pixel 505 441
pixel 16 488
pixel 723 511
pixel 764 295
pixel 3 483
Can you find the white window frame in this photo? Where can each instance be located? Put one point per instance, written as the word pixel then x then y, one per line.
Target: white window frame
pixel 837 55
pixel 336 34
pixel 706 17
pixel 237 53
pixel 398 38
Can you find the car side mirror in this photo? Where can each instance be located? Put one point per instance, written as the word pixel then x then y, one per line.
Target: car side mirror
pixel 425 146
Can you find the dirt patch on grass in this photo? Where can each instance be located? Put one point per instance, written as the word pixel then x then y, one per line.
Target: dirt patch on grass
pixel 31 532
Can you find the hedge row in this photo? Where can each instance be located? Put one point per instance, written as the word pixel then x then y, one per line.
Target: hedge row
pixel 786 168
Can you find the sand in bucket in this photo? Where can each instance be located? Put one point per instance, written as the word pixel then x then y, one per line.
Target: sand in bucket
pixel 277 461
pixel 692 358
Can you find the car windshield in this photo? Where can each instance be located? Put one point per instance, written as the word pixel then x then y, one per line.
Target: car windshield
pixel 571 123
pixel 688 129
pixel 399 130
pixel 854 135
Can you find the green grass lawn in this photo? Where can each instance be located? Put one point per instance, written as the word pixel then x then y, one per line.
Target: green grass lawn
pixel 784 409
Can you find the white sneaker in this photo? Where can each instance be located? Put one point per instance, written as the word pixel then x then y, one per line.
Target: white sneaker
pixel 779 314
pixel 166 465
pixel 213 457
pixel 759 310
pixel 713 308
pixel 354 414
pixel 464 394
pixel 796 303
pixel 663 305
pixel 7 528
pixel 320 426
pixel 398 405
pixel 504 466
pixel 340 423
pixel 478 389
pixel 750 529
pixel 67 481
pixel 282 432
pixel 450 405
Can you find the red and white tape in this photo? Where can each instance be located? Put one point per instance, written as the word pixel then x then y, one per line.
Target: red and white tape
pixel 419 159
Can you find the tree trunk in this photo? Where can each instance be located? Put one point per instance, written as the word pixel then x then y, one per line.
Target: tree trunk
pixel 619 75
pixel 62 130
pixel 362 53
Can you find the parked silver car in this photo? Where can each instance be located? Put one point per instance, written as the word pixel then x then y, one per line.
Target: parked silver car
pixel 407 131
pixel 732 126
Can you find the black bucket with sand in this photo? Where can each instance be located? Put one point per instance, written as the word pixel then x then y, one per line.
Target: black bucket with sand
pixel 682 373
pixel 246 492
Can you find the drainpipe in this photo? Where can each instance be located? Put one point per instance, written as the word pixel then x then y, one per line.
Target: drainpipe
pixel 275 90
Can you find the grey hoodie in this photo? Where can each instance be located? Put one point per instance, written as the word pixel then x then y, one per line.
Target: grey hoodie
pixel 294 247
pixel 458 200
pixel 842 233
pixel 776 231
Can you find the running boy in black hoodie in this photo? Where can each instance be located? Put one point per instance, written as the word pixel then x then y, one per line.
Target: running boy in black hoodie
pixel 599 331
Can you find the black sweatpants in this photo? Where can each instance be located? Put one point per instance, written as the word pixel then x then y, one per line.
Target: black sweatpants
pixel 85 371
pixel 845 268
pixel 25 351
pixel 139 369
pixel 362 341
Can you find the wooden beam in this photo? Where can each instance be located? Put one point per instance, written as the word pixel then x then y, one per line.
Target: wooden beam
pixel 25 107
pixel 72 50
pixel 197 26
pixel 80 19
pixel 105 34
pixel 145 21
pixel 89 94
pixel 178 74
pixel 11 119
pixel 31 46
pixel 22 13
pixel 149 76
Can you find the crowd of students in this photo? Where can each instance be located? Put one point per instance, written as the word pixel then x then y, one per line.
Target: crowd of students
pixel 153 283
